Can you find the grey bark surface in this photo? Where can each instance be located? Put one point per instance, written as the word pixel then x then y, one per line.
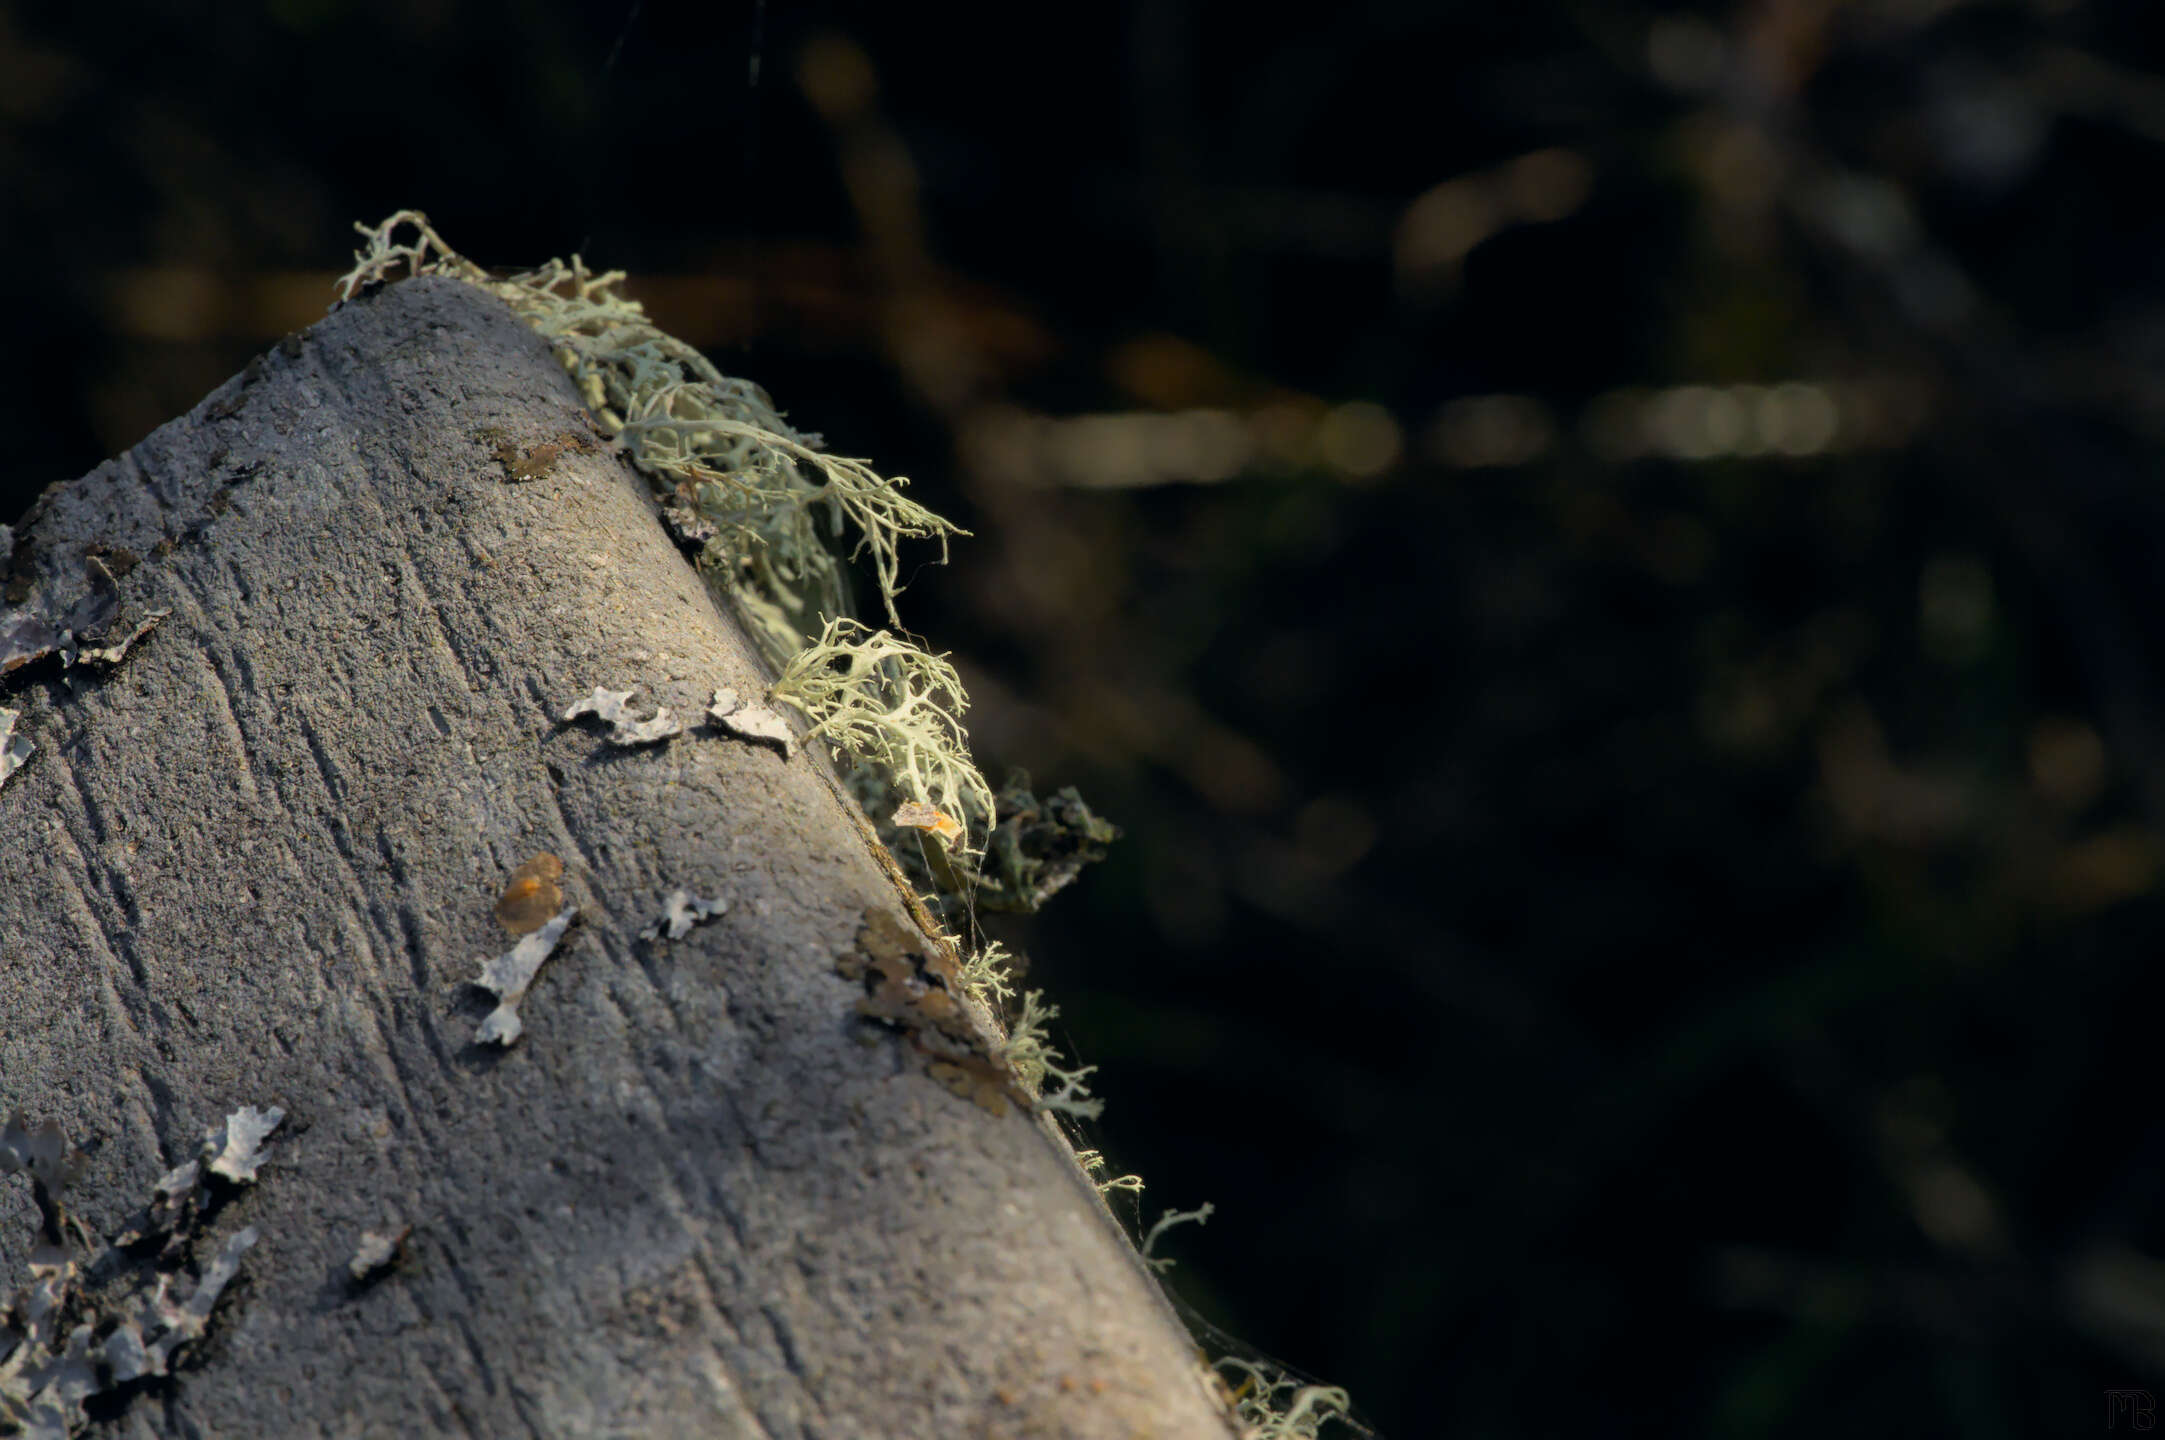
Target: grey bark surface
pixel 256 865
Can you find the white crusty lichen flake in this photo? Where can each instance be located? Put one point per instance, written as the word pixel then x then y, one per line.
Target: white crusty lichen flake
pixel 40 1151
pixel 509 975
pixel 752 722
pixel 14 749
pixel 377 1252
pixel 681 910
pixel 234 1149
pixel 609 706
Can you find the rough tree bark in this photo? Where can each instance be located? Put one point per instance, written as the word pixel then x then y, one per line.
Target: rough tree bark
pixel 255 864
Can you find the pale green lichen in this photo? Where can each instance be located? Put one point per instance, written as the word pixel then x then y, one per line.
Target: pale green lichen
pixel 1272 1405
pixel 987 976
pixel 1167 1221
pixel 880 699
pixel 709 439
pixel 1094 1165
pixel 1029 1056
pixel 692 430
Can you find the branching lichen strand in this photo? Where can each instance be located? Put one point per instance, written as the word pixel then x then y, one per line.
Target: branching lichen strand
pixel 1029 1056
pixel 878 698
pixel 710 439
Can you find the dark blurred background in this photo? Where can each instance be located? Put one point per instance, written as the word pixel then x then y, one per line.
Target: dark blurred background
pixel 1607 559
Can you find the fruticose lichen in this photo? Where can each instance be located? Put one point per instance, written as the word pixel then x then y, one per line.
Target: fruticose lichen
pixel 710 442
pixel 1167 1221
pixel 986 975
pixel 1272 1405
pixel 886 702
pixel 1039 846
pixel 1029 1054
pixel 1094 1165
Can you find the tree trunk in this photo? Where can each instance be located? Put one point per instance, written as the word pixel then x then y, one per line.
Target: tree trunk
pixel 255 864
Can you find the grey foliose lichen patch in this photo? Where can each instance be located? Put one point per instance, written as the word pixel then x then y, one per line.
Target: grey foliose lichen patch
pixel 14 748
pixel 94 634
pixel 1039 847
pixel 25 639
pixel 511 974
pixel 611 707
pixel 144 1344
pixel 42 1152
pixel 235 1148
pixel 91 1323
pixel 1028 1054
pixel 107 650
pixel 751 722
pixel 681 910
pixel 230 1153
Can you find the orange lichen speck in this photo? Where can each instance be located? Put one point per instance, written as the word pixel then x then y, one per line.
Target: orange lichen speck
pixel 533 896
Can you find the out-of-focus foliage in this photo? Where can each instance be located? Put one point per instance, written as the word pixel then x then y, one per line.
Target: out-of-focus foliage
pixel 1603 558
